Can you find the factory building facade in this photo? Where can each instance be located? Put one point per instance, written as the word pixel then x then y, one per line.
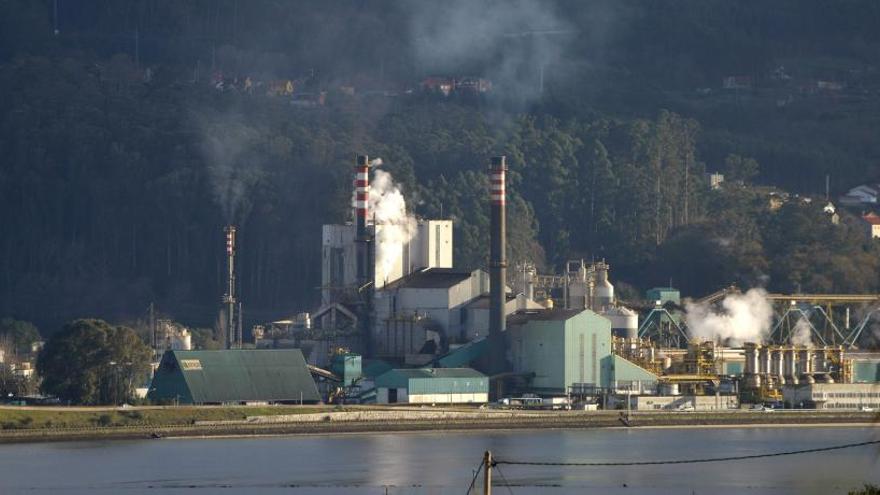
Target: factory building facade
pixel 432 386
pixel 233 377
pixel 683 402
pixel 833 395
pixel 430 246
pixel 425 306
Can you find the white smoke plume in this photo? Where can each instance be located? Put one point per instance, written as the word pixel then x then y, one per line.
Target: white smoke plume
pixel 227 146
pixel 743 318
pixel 511 41
pixel 802 333
pixel 395 226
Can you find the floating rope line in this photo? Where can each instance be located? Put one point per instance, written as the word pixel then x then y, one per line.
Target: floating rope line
pixel 688 461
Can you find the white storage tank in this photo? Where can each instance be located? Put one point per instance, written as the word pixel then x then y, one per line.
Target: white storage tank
pixel 604 291
pixel 181 340
pixel 624 322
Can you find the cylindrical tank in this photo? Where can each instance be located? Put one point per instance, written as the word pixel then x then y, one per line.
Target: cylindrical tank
pixel 304 320
pixel 604 291
pixel 751 353
pixel 669 389
pixel 777 364
pixel 624 322
pixel 805 361
pixel 790 363
pixel 180 341
pixel 578 292
pixel 764 360
pixel 529 282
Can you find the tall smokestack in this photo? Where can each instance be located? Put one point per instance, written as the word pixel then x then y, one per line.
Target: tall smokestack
pixel 362 212
pixel 365 258
pixel 229 298
pixel 497 263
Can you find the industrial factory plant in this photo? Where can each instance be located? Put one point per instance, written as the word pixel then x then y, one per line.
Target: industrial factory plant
pixel 536 246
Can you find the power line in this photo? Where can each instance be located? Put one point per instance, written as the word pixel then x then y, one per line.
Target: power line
pixel 474 480
pixel 688 461
pixel 504 479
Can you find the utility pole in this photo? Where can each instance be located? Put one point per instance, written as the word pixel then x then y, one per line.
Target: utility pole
pixel 487 473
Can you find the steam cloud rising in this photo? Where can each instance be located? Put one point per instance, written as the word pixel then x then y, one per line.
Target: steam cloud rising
pixel 744 318
pixel 510 40
pixel 388 209
pixel 802 333
pixel 233 172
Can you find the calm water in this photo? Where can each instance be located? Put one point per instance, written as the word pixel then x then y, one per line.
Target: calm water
pixel 441 463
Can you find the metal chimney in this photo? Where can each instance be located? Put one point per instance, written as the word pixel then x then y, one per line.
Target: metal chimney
pixel 364 241
pixel 361 213
pixel 229 298
pixel 497 263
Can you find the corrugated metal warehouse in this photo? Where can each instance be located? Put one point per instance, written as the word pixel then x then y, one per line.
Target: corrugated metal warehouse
pixel 233 377
pixel 432 386
pixel 568 347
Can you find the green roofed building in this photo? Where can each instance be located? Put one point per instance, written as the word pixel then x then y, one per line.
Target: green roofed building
pixel 432 386
pixel 234 377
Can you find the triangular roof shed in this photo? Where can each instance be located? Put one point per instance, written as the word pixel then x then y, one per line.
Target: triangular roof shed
pixel 234 376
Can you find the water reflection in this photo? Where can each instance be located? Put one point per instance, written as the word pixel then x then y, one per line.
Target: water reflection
pixel 441 463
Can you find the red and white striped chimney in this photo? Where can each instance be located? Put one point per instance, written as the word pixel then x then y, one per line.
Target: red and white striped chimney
pixel 362 193
pixel 497 263
pixel 497 173
pixel 362 213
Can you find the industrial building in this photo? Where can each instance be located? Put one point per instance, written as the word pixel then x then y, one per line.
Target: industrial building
pixel 832 395
pixel 432 386
pixel 390 292
pixel 429 247
pixel 233 377
pixel 425 307
pixel 561 349
pixel 683 402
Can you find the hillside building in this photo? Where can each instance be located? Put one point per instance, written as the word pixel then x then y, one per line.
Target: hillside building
pixel 871 223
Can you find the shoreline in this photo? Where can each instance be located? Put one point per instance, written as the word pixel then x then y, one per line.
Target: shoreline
pixel 562 420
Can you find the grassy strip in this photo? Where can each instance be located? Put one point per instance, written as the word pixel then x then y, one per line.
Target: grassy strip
pixel 554 421
pixel 54 418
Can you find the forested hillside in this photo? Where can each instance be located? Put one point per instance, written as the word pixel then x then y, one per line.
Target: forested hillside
pixel 121 157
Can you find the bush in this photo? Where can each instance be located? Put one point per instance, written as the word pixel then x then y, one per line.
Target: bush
pixel 105 420
pixel 867 490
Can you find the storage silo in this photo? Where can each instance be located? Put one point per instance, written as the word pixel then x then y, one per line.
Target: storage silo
pixel 604 291
pixel 624 322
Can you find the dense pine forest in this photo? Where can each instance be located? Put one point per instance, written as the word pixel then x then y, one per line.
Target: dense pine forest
pixel 131 131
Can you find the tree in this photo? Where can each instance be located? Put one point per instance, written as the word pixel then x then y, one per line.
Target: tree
pixel 740 169
pixel 204 339
pixel 92 362
pixel 20 335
